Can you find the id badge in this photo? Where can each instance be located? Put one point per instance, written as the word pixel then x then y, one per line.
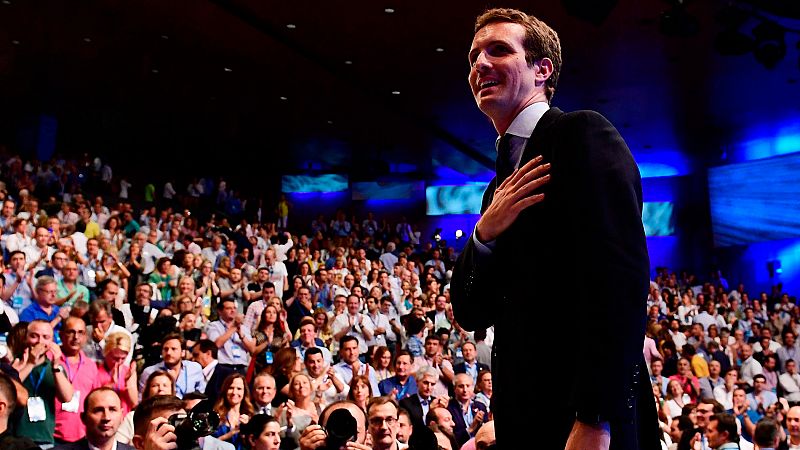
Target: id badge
pixel 36 411
pixel 16 303
pixel 72 405
pixel 268 357
pixel 236 351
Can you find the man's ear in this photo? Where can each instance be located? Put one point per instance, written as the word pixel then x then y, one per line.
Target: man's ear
pixel 138 442
pixel 546 68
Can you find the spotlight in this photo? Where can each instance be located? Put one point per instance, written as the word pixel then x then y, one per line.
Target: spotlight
pixel 770 47
pixel 774 267
pixel 459 234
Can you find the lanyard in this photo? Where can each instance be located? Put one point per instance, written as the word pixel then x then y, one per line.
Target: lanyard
pixel 69 369
pixel 119 385
pixel 38 382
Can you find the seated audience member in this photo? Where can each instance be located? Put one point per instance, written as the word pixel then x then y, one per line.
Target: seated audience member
pixel 470 366
pixel 102 415
pixel 420 404
pixel 761 397
pixel 382 416
pixel 790 383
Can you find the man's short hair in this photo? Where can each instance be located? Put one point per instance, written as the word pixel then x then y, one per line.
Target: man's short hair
pixel 307 320
pixel 345 339
pixel 540 41
pixel 718 407
pixel 144 284
pixel 726 422
pixel 766 433
pixel 222 301
pixel 8 393
pixel 94 392
pixel 313 351
pixel 382 400
pixel 99 305
pixel 151 407
pixel 426 371
pixel 759 376
pixel 175 336
pixel 432 416
pixel 207 345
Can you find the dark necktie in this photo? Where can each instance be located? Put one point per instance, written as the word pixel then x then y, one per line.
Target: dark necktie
pixel 508 153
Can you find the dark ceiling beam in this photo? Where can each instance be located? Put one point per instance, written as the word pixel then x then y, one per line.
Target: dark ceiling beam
pixel 245 15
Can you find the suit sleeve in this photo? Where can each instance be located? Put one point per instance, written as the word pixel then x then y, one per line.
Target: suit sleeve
pixel 605 188
pixel 473 282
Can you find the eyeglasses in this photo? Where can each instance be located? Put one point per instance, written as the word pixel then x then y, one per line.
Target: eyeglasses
pixel 378 421
pixel 75 332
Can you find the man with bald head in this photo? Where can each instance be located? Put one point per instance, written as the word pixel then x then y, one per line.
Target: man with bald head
pixel 793 427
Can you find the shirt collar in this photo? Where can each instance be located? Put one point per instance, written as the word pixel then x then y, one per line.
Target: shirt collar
pixel 207 370
pixel 526 120
pixel 92 447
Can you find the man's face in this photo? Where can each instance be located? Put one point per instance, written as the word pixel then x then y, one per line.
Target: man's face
pixel 73 335
pixel 704 411
pixel 228 311
pixel 759 384
pixel 445 420
pixel 714 368
pixel 468 351
pixel 92 247
pixel 236 275
pixel 71 272
pixel 463 387
pixel 441 303
pixel 47 294
pixel 102 320
pixel 793 421
pixel 102 416
pixel 39 332
pixel 143 294
pixel 264 388
pixel 8 208
pixel 307 334
pixel 268 292
pixel 501 81
pixel 426 385
pixel 171 352
pixel 714 438
pixel 352 305
pixel 349 351
pixel 402 365
pixel 791 367
pixel 202 358
pixel 18 261
pixel 431 347
pixel 315 364
pixel 656 367
pixel 42 237
pixel 383 424
pixel 110 292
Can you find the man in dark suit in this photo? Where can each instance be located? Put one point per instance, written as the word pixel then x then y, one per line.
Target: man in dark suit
pixel 420 403
pixel 205 354
pixel 468 415
pixel 535 229
pixel 470 366
pixel 102 415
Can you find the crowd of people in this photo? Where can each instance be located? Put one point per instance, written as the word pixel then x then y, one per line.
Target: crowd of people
pixel 118 321
pixel 723 364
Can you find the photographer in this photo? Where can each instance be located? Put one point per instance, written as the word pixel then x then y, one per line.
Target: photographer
pixel 154 427
pixel 337 430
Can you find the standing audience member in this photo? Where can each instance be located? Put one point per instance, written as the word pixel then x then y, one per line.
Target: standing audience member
pixel 45 381
pixel 234 408
pixel 8 402
pixel 382 415
pixel 188 375
pixel 81 372
pixel 113 373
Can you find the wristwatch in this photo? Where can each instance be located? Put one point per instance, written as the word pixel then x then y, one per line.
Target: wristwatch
pixel 58 369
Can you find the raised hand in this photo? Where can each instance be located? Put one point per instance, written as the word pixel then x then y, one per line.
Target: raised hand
pixel 514 195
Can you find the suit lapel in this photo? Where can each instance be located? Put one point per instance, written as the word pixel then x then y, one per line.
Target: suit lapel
pixel 532 147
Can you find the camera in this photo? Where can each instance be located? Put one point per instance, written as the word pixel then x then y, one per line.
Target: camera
pixel 192 426
pixel 340 427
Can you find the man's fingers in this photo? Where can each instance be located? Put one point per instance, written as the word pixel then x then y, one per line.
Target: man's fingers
pixel 531 186
pixel 529 201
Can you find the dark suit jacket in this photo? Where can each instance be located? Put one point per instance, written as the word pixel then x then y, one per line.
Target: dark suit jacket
pixel 414 408
pixel 214 384
pixel 84 445
pixel 462 367
pixel 579 254
pixel 460 428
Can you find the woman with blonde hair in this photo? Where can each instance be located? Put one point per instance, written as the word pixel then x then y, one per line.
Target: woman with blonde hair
pixel 114 373
pixel 300 410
